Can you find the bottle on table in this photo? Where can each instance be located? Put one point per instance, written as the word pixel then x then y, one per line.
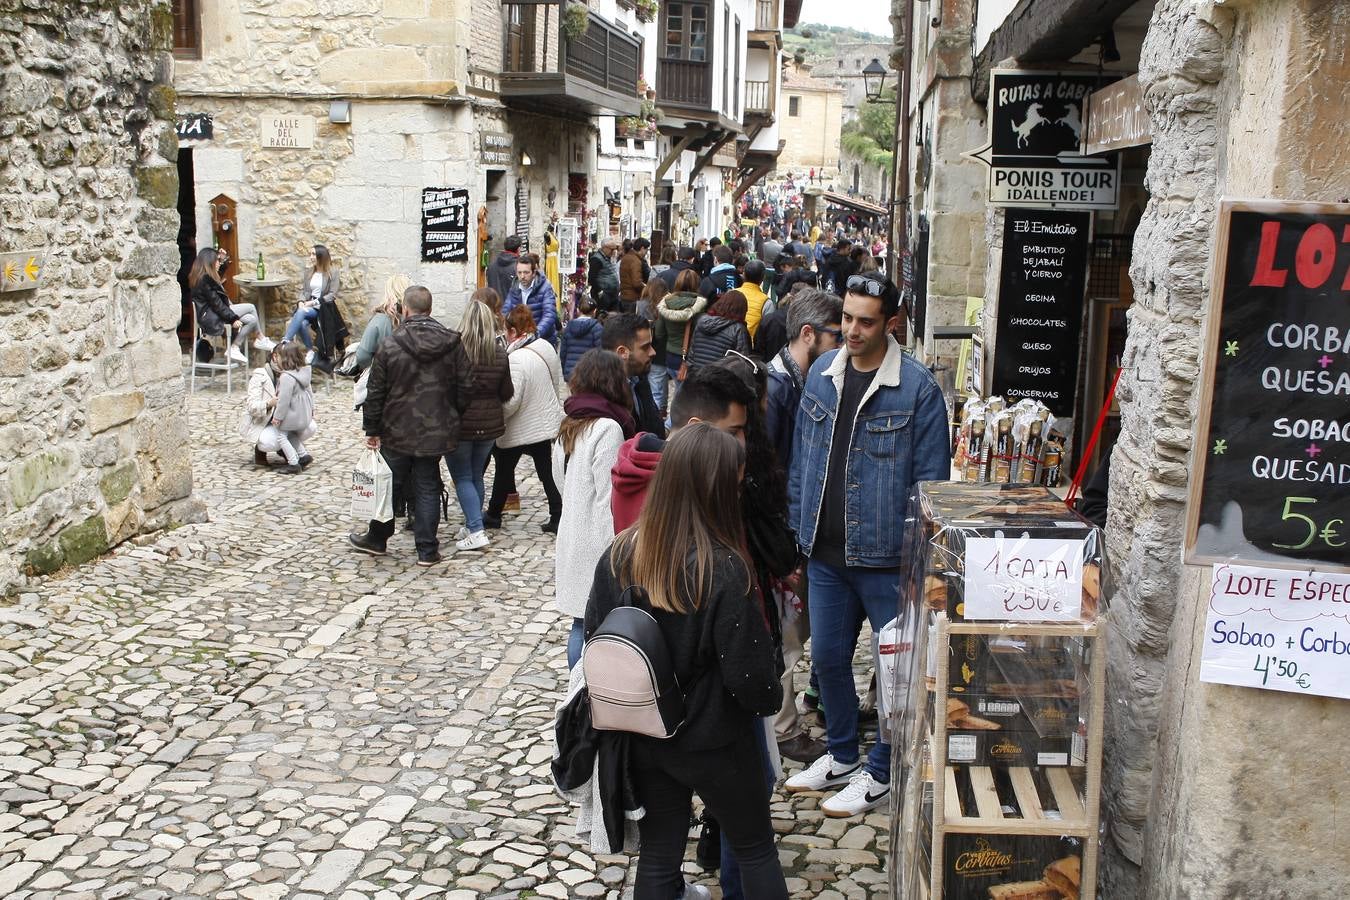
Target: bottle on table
pixel 262 269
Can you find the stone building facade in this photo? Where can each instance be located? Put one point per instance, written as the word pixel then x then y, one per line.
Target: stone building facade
pixel 1210 791
pixel 93 434
pixel 811 121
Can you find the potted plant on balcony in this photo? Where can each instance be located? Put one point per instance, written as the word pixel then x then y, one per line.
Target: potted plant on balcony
pixel 647 10
pixel 576 17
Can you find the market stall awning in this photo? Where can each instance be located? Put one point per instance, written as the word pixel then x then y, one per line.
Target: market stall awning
pixel 838 199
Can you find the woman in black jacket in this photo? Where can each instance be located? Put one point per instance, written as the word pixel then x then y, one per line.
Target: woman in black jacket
pixel 215 312
pixel 721 329
pixel 714 620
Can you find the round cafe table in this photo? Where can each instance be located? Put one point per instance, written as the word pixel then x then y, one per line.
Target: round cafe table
pixel 264 291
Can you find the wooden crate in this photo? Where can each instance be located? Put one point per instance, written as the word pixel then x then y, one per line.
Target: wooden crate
pixel 1069 812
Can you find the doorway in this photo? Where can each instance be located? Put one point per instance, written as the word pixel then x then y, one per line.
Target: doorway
pixel 495 201
pixel 187 242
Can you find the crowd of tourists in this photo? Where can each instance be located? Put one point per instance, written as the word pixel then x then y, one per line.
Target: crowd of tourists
pixel 722 439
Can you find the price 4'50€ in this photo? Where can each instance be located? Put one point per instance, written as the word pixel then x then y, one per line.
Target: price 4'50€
pixel 1280 668
pixel 1296 512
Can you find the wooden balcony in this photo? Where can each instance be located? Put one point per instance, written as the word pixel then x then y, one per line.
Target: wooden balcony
pixel 759 98
pixel 764 31
pixel 684 83
pixel 542 70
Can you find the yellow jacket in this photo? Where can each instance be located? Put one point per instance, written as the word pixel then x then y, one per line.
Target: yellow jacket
pixel 755 298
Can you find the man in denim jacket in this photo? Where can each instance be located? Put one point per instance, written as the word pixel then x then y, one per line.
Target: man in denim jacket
pixel 872 422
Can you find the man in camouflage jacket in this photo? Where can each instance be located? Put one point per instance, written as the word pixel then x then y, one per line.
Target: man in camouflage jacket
pixel 418 388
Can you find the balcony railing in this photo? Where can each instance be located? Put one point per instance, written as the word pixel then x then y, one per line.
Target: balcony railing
pixel 766 15
pixel 757 97
pixel 599 70
pixel 684 82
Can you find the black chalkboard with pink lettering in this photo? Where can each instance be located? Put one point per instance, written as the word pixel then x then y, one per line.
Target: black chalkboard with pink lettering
pixel 1272 456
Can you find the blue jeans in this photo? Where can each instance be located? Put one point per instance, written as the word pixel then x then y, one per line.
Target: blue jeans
pixel 299 326
pixel 656 377
pixel 839 599
pixel 576 642
pixel 466 464
pixel 730 870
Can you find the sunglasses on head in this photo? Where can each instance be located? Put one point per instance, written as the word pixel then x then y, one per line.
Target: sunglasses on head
pixel 761 371
pixel 862 284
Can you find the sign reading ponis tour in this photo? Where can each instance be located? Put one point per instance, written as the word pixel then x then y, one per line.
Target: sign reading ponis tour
pixel 1271 457
pixel 1035 137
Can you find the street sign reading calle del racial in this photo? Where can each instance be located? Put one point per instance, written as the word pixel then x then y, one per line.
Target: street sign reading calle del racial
pixel 1035 136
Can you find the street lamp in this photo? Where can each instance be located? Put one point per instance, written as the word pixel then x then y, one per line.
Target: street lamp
pixel 874 79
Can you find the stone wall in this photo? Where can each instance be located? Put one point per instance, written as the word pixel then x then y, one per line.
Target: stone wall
pixel 1211 791
pixel 358 191
pixel 813 135
pixel 343 47
pixel 93 437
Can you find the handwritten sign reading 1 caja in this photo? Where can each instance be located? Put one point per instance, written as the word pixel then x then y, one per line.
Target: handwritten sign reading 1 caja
pixel 1015 579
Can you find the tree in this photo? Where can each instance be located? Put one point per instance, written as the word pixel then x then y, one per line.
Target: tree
pixel 871 137
pixel 799 56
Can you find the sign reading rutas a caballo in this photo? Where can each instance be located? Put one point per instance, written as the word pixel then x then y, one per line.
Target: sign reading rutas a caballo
pixel 1271 481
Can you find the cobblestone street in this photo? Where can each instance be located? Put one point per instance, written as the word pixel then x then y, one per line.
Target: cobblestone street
pixel 246 708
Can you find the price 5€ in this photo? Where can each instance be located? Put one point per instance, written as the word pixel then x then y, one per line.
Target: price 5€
pixel 1299 513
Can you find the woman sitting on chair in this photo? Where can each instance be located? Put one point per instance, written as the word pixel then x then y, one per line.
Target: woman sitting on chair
pixel 318 286
pixel 215 312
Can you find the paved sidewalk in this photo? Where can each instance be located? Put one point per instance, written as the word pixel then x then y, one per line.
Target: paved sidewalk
pixel 247 709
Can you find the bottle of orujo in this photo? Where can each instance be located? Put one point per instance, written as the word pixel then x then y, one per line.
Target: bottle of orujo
pixel 1031 453
pixel 262 269
pixel 974 468
pixel 1054 459
pixel 1001 471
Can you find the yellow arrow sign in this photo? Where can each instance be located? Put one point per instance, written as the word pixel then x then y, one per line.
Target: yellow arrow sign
pixel 32 269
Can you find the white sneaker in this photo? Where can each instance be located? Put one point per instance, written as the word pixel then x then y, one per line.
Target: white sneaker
pixel 863 793
pixel 822 775
pixel 237 355
pixel 695 892
pixel 265 344
pixel 309 358
pixel 475 541
pixel 462 533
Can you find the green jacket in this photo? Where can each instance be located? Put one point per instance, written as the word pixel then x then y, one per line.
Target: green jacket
pixel 674 314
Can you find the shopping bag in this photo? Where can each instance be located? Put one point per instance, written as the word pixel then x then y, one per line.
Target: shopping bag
pixel 894 648
pixel 372 489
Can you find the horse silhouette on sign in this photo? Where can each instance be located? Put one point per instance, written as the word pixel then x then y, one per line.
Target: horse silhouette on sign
pixel 1025 127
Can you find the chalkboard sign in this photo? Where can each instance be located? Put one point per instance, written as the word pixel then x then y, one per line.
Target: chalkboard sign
pixel 445 224
pixel 1271 480
pixel 1041 285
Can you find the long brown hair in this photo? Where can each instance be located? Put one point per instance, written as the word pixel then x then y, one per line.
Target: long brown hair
pixel 599 372
pixel 687 281
pixel 693 504
pixel 204 265
pixel 655 291
pixel 493 301
pixel 323 260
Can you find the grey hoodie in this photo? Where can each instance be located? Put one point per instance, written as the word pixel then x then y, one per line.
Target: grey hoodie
pixel 295 400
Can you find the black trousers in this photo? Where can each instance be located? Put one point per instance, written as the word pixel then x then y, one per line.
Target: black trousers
pixel 417 481
pixel 733 787
pixel 504 476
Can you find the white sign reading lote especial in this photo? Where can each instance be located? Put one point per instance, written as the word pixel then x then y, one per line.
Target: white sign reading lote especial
pixel 1278 629
pixel 1020 579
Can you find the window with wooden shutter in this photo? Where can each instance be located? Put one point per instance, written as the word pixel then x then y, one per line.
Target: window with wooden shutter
pixel 187 31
